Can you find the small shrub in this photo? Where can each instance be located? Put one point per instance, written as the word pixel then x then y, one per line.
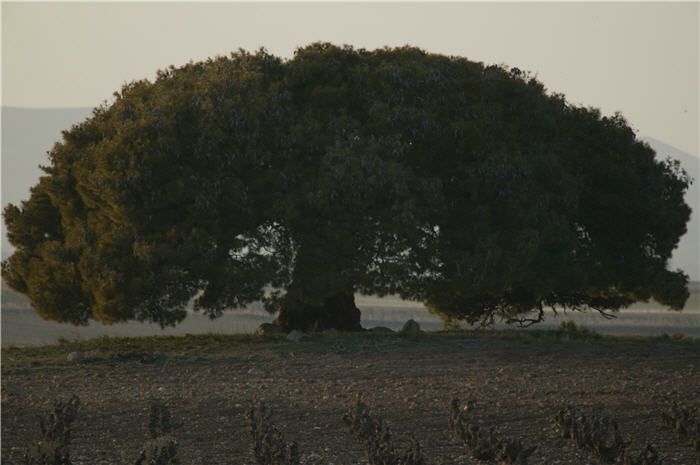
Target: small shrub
pixel 159 451
pixel 648 456
pixel 161 448
pixel 53 447
pixel 686 422
pixel 160 420
pixel 599 434
pixel 269 446
pixel 376 438
pixel 602 436
pixel 485 444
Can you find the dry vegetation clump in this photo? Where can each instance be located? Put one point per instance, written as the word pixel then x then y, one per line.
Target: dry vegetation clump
pixel 375 436
pixel 686 422
pixel 53 447
pixel 269 446
pixel 602 436
pixel 485 444
pixel 599 434
pixel 161 448
pixel 648 456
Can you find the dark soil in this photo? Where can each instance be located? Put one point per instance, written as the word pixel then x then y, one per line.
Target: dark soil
pixel 519 385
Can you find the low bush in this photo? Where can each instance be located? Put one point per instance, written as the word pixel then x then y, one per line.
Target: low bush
pixel 485 444
pixel 686 422
pixel 269 446
pixel 161 447
pixel 375 436
pixel 54 446
pixel 601 435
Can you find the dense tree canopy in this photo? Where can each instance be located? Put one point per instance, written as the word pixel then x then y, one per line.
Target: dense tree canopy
pixel 301 182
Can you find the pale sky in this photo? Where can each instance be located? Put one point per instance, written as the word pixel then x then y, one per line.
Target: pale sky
pixel 637 58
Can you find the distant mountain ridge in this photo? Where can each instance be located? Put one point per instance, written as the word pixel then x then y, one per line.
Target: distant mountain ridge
pixel 28 133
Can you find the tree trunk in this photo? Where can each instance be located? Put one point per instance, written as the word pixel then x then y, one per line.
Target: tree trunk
pixel 321 294
pixel 337 312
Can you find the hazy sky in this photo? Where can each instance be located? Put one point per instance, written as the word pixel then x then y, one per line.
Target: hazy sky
pixel 638 58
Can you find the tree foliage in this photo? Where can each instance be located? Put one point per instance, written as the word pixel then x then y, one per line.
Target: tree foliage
pixel 342 170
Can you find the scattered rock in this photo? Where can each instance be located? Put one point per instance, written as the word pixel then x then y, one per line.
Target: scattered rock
pixel 150 357
pixel 295 336
pixel 269 329
pixel 411 327
pixel 75 357
pixel 382 330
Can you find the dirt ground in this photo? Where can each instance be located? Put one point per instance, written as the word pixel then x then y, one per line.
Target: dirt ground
pixel 519 385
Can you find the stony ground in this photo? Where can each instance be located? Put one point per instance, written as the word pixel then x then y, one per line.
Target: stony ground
pixel 520 383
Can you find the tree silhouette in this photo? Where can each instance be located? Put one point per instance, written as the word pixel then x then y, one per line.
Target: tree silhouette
pixel 342 170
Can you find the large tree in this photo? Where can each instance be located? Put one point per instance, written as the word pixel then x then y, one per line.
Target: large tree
pixel 302 182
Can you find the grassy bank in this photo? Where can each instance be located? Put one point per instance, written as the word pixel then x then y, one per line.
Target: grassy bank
pixel 216 346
